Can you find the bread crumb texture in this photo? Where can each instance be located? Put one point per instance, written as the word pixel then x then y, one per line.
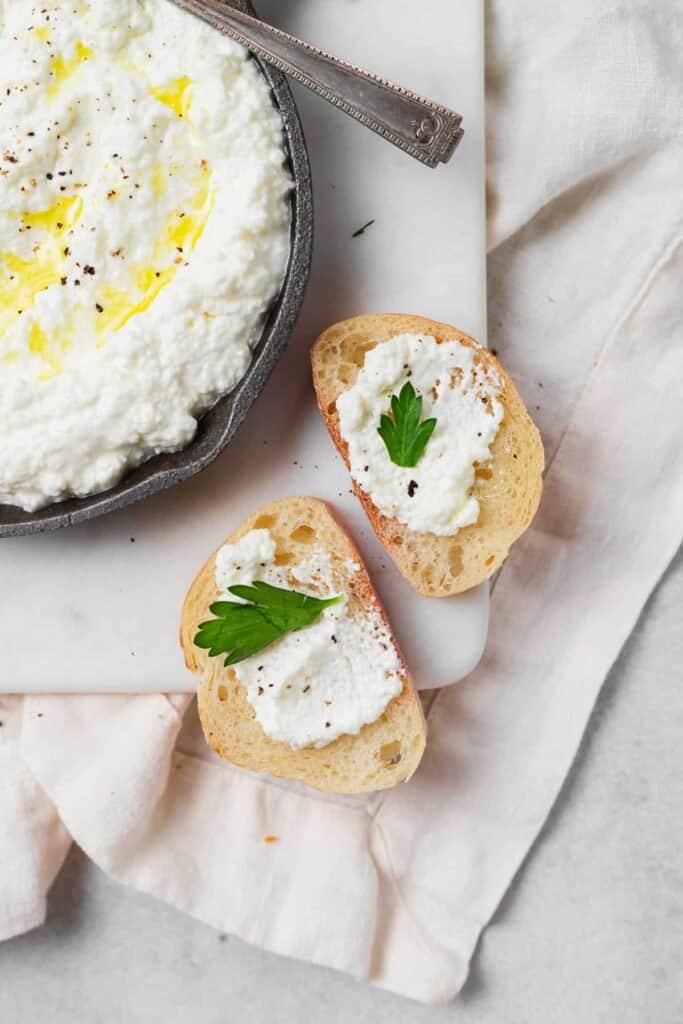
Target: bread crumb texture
pixel 508 488
pixel 383 753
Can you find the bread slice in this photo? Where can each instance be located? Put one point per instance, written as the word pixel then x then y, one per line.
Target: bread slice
pixel 383 753
pixel 508 488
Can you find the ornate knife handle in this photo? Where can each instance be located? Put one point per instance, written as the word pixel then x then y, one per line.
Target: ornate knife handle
pixel 425 130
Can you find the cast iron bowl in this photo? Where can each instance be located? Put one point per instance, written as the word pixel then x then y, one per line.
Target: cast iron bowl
pixel 219 425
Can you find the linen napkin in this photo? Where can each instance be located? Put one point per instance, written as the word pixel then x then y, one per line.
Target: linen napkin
pixel 586 309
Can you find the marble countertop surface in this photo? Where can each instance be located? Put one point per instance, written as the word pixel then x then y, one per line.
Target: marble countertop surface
pixel 590 933
pixel 424 253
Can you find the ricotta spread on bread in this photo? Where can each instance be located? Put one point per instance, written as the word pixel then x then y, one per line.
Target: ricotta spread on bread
pixel 324 681
pixel 144 232
pixel 460 393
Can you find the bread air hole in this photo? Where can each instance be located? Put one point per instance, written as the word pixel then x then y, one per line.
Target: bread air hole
pixel 358 355
pixel 455 560
pixel 264 522
pixel 490 560
pixel 303 534
pixel 390 753
pixel 284 558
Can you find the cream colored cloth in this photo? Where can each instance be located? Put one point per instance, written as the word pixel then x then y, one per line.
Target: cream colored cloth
pixel 586 309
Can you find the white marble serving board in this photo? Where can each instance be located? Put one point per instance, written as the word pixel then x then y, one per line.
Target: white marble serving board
pixel 96 607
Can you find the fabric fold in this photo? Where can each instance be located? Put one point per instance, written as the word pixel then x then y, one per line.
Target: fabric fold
pixel 279 868
pixel 501 744
pixel 34 841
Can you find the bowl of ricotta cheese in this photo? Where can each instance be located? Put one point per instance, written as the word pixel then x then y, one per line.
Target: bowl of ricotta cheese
pixel 155 241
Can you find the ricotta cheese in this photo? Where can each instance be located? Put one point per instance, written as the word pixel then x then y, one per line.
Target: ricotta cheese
pixel 144 231
pixel 331 678
pixel 460 393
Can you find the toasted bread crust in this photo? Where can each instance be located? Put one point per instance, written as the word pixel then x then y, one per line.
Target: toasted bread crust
pixel 383 753
pixel 508 488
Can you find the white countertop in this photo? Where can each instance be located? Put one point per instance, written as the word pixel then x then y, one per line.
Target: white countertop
pixel 591 933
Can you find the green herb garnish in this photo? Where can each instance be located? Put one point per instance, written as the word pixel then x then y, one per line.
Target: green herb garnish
pixel 361 231
pixel 405 437
pixel 240 630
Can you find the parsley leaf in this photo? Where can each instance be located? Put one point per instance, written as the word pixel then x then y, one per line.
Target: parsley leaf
pixel 361 231
pixel 405 437
pixel 240 630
